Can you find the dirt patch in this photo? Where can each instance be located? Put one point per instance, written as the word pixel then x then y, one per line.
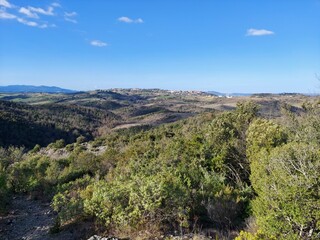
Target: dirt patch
pixel 29 219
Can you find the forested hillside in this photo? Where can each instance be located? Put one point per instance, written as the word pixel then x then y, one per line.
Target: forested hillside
pixel 241 174
pixel 28 119
pixel 26 125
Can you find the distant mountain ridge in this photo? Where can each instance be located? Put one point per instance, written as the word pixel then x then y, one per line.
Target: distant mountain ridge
pixel 33 89
pixel 258 94
pixel 229 94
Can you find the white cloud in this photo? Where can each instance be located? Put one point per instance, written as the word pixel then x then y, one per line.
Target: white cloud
pixel 70 14
pixel 34 24
pixel 6 4
pixel 258 32
pixel 48 12
pixel 125 19
pixel 28 23
pixel 43 25
pixel 129 20
pixel 5 15
pixel 55 4
pixel 28 12
pixel 139 20
pixel 70 20
pixel 98 43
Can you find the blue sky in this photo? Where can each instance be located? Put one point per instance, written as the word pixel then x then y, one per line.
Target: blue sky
pixel 227 46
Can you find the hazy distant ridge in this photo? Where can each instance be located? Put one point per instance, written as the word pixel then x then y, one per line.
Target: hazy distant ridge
pixel 229 94
pixel 33 89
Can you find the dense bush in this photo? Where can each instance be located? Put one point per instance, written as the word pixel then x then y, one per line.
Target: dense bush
pixel 68 202
pixel 8 157
pixel 285 176
pixel 4 190
pixel 176 175
pixel 213 170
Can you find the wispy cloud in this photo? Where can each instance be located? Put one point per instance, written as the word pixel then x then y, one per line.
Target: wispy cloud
pixel 70 20
pixel 139 20
pixel 55 4
pixel 5 3
pixel 33 12
pixel 129 20
pixel 48 12
pixel 258 32
pixel 125 19
pixel 46 25
pixel 28 23
pixel 5 15
pixel 98 43
pixel 69 16
pixel 28 12
pixel 21 14
pixel 33 24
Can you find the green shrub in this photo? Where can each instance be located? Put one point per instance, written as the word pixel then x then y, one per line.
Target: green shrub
pixel 4 191
pixel 253 236
pixel 139 201
pixel 57 144
pixel 70 147
pixel 285 177
pixel 29 174
pixel 81 139
pixel 68 202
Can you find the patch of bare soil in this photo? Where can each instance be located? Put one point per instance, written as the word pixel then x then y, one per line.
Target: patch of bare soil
pixel 29 219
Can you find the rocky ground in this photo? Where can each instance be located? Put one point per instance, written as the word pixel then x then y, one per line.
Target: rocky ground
pixel 29 219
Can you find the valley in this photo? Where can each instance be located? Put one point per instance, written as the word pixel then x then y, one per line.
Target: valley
pixel 156 164
pixel 41 118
